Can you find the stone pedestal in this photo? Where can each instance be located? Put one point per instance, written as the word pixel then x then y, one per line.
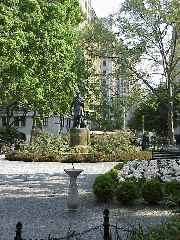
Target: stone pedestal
pixel 72 199
pixel 80 138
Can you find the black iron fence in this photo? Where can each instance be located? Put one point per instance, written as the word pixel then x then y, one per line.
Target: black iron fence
pixel 105 226
pixel 105 229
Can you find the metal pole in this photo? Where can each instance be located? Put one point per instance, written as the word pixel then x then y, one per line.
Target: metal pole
pixel 106 224
pixel 18 231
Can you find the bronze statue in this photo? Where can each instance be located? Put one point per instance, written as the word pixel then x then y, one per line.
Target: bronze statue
pixel 78 103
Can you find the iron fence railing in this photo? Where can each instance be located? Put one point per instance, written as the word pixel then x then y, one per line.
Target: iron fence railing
pixel 105 229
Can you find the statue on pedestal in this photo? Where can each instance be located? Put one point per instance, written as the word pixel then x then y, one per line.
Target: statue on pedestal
pixel 79 134
pixel 78 103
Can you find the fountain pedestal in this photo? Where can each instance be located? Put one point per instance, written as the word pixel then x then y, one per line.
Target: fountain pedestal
pixel 72 199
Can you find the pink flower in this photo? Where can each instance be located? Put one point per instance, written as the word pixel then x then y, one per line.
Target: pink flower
pixel 150 169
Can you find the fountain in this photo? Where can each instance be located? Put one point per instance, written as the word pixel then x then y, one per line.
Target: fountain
pixel 72 199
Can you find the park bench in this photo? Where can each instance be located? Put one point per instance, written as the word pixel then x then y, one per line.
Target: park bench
pixel 158 155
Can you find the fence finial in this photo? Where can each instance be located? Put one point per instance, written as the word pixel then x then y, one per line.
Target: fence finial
pixel 18 231
pixel 106 224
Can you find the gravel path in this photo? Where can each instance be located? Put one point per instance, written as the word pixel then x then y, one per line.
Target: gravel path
pixel 36 195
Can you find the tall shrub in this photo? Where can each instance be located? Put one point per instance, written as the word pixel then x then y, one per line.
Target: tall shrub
pixel 119 141
pixel 45 142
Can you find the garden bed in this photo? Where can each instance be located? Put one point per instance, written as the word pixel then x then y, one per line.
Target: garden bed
pixel 152 180
pixel 76 157
pixel 148 188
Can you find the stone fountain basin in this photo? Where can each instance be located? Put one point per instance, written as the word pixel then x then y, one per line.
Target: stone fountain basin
pixel 73 172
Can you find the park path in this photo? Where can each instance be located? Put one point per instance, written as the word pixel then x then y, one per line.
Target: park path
pixel 36 195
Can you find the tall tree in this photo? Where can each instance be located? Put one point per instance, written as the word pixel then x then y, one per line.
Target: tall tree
pixel 110 113
pixel 151 32
pixel 154 112
pixel 101 42
pixel 147 43
pixel 38 43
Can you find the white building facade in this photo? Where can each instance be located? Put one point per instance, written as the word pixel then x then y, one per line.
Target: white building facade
pixel 54 124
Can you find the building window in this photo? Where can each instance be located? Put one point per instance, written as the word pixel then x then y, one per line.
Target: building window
pixel 38 124
pixel 45 121
pixel 23 122
pixel 16 121
pixel 3 121
pixel 104 72
pixel 104 63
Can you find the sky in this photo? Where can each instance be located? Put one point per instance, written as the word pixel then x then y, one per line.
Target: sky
pixel 103 8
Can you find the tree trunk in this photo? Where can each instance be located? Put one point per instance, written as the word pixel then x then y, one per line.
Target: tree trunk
pixel 7 124
pixel 33 126
pixel 170 114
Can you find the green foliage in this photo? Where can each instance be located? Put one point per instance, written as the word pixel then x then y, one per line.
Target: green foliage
pixel 110 112
pixel 69 157
pixel 117 142
pixel 155 114
pixel 103 187
pixel 169 230
pixel 151 191
pixel 172 188
pixel 125 156
pixel 32 157
pixel 171 192
pixel 13 135
pixel 144 26
pixel 159 141
pixel 113 173
pixel 37 42
pixel 44 142
pixel 127 192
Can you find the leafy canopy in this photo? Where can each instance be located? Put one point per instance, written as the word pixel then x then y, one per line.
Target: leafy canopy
pixel 37 42
pixel 155 115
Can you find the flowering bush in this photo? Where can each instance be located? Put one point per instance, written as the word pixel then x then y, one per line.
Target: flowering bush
pixel 164 170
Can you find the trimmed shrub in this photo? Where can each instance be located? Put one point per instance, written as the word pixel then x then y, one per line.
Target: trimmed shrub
pixel 113 173
pixel 171 191
pixel 171 188
pixel 151 191
pixel 127 192
pixel 103 187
